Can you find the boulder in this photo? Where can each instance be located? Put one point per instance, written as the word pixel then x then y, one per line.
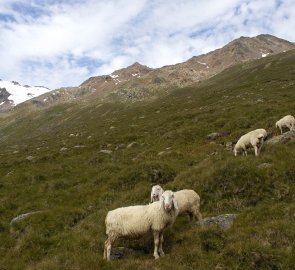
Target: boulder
pixel 215 135
pixel 224 221
pixel 284 138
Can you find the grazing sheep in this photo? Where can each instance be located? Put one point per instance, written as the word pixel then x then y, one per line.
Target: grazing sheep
pixel 254 138
pixel 286 122
pixel 188 201
pixel 135 221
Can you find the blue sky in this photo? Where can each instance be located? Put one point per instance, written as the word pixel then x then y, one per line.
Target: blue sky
pixel 59 43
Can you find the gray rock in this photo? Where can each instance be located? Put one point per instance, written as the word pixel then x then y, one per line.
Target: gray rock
pixel 131 144
pixel 284 138
pixel 121 146
pixel 63 149
pixel 215 135
pixel 229 146
pixel 30 158
pixel 23 216
pixel 122 252
pixel 224 221
pixel 106 151
pixel 264 165
pixel 79 146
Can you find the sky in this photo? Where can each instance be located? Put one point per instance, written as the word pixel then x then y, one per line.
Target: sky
pixel 57 43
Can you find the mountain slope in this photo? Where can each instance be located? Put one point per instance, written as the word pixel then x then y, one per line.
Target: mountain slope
pixel 125 86
pixel 53 162
pixel 139 82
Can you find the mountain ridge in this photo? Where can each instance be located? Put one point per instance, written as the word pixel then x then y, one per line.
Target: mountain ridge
pixel 139 82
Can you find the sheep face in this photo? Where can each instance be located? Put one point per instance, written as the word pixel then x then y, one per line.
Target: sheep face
pixel 168 201
pixel 156 193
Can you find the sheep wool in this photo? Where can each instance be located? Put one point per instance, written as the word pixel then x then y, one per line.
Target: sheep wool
pixel 135 221
pixel 287 121
pixel 253 138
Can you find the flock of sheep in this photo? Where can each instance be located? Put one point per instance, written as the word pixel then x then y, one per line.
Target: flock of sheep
pixel 256 137
pixel 138 220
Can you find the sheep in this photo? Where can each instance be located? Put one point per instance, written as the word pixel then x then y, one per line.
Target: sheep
pixel 188 201
pixel 156 193
pixel 136 221
pixel 254 138
pixel 286 122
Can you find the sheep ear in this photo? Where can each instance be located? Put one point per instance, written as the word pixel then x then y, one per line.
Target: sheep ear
pixel 161 202
pixel 152 198
pixel 175 204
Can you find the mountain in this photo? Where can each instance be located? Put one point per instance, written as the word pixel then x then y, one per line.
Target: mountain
pixel 64 167
pixel 124 84
pixel 139 82
pixel 12 93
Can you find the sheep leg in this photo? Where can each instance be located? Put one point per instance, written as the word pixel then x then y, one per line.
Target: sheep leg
pixel 108 247
pixel 198 215
pixel 107 250
pixel 156 244
pixel 161 252
pixel 256 150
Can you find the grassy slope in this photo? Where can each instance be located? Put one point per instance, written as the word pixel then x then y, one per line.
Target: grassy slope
pixel 77 187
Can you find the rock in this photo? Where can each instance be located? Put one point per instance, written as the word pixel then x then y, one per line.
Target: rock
pixel 215 135
pixel 164 153
pixel 264 165
pixel 63 149
pixel 15 152
pixel 229 146
pixel 106 151
pixel 224 221
pixel 23 216
pixel 121 146
pixel 30 158
pixel 89 137
pixel 79 146
pixel 284 138
pixel 131 144
pixel 122 252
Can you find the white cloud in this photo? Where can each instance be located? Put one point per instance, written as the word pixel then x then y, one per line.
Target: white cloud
pixel 48 41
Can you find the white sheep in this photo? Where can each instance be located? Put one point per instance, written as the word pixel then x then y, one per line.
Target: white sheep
pixel 135 221
pixel 188 201
pixel 253 138
pixel 286 122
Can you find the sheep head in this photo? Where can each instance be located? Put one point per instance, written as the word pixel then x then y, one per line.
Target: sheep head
pixel 156 193
pixel 168 201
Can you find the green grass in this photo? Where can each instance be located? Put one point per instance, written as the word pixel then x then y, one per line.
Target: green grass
pixel 75 188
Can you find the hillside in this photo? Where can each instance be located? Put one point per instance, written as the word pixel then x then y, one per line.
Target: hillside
pixel 73 162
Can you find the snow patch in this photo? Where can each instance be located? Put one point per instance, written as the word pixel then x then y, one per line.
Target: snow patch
pixel 204 64
pixel 19 93
pixel 114 76
pixel 264 54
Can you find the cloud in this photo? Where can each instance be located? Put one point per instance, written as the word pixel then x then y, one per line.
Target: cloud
pixel 62 43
